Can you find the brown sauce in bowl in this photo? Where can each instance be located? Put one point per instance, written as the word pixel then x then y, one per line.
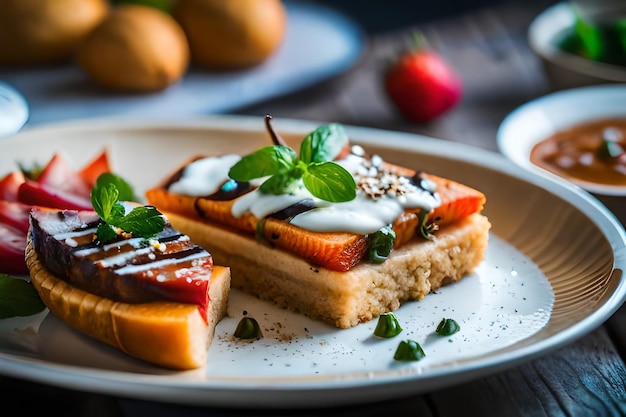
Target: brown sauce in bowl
pixel 594 152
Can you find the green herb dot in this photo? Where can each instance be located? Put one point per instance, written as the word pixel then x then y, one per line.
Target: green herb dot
pixel 248 328
pixel 387 326
pixel 409 350
pixel 447 327
pixel 610 150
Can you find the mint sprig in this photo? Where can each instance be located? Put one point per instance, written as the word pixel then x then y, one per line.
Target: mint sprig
pixel 141 221
pixel 323 178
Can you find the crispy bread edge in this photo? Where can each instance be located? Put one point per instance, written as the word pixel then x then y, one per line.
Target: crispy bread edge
pixel 168 334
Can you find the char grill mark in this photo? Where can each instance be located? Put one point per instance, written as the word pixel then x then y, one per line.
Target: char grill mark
pixel 168 267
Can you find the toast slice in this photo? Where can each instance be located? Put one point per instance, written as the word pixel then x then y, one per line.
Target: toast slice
pixel 336 260
pixel 344 299
pixel 156 298
pixel 169 334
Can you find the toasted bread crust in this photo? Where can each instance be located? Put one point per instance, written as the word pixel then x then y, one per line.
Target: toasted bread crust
pixel 168 334
pixel 344 299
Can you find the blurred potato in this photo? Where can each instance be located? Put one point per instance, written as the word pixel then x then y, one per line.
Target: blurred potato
pixel 230 34
pixel 135 48
pixel 36 32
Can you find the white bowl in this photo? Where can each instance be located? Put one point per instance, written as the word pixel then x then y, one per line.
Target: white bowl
pixel 563 69
pixel 542 117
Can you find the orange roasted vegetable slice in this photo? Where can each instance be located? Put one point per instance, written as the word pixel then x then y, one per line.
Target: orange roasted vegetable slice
pixel 333 250
pixel 457 201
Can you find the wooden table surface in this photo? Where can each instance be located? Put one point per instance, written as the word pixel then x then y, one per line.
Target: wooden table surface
pixel 489 49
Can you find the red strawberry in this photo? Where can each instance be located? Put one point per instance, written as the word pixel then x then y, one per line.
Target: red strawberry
pixel 422 85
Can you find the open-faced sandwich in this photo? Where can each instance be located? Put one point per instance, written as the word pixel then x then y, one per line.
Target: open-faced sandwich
pixel 332 233
pixel 123 275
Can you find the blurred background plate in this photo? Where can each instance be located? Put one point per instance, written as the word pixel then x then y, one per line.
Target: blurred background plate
pixel 13 110
pixel 320 43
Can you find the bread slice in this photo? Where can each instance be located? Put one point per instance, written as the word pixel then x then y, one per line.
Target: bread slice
pixel 168 334
pixel 343 299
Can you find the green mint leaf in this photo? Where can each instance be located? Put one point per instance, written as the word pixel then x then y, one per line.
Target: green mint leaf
pixel 266 161
pixel 105 232
pixel 281 183
pixel 103 197
pixel 143 221
pixel 118 211
pixel 18 297
pixel 329 181
pixel 323 178
pixel 323 144
pixel 125 191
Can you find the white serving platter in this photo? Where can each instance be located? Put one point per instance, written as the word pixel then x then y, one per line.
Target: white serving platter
pixel 552 273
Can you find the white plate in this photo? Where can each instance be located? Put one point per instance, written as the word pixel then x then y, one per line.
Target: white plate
pixel 552 273
pixel 532 122
pixel 320 43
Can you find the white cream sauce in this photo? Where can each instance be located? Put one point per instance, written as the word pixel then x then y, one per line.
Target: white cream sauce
pixel 387 197
pixel 205 176
pixel 133 269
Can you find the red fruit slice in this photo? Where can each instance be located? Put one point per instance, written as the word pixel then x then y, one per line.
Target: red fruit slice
pixel 15 214
pixel 58 174
pixel 37 194
pixel 9 185
pixel 12 247
pixel 94 168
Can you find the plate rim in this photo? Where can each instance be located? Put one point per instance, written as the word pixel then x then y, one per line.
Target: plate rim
pixel 194 392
